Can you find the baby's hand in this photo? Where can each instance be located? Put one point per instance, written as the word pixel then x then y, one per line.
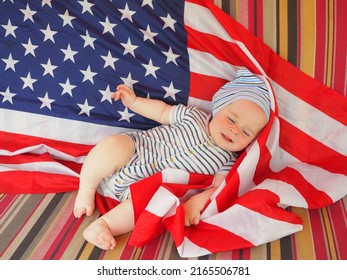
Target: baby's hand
pixel 192 208
pixel 126 94
pixel 194 205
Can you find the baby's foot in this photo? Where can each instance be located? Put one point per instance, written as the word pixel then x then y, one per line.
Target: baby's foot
pixel 84 203
pixel 99 234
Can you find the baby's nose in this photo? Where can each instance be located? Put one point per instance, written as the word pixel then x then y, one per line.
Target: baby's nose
pixel 234 129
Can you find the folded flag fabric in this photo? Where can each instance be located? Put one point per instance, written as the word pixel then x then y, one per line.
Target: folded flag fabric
pixel 61 61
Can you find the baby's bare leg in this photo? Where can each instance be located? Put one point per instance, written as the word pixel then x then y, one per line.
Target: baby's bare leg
pixel 117 221
pixel 111 154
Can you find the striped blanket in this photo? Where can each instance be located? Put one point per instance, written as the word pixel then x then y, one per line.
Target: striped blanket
pixel 288 157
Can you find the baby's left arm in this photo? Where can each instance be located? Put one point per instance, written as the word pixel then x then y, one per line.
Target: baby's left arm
pixel 194 205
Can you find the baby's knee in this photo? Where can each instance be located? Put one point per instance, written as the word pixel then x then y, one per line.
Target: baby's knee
pixel 117 140
pixel 110 140
pixel 120 146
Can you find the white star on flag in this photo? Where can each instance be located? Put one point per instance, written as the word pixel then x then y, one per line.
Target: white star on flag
pixel 47 2
pixel 10 29
pixel 129 81
pixel 150 69
pixel 69 53
pixel 109 60
pixel 171 56
pixel 67 87
pixel 88 75
pixel 148 34
pixel 30 48
pixel 129 47
pixel 127 13
pixel 106 94
pixel 46 101
pixel 86 6
pixel 49 68
pixel 169 22
pixel 147 2
pixel 108 26
pixel 49 33
pixel 125 115
pixel 171 91
pixel 67 19
pixel 7 95
pixel 28 81
pixel 28 14
pixel 10 62
pixel 88 40
pixel 85 108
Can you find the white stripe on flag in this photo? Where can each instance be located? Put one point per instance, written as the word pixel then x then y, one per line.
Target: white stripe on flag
pixel 203 104
pixel 41 149
pixel 54 128
pixel 247 168
pixel 201 63
pixel 192 17
pixel 288 194
pixel 189 249
pixel 245 222
pixel 163 203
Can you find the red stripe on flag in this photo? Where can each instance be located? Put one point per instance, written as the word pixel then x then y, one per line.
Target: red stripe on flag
pixel 14 142
pixel 309 150
pixel 147 227
pixel 198 84
pixel 229 194
pixel 221 49
pixel 209 237
pixel 36 182
pixel 35 159
pixel 175 225
pixel 104 203
pixel 314 197
pixel 266 202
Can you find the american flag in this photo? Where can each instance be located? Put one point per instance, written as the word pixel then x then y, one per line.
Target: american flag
pixel 61 60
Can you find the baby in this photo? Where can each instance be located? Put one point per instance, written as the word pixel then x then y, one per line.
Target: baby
pixel 188 139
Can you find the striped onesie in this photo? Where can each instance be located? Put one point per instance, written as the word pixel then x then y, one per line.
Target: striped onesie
pixel 184 144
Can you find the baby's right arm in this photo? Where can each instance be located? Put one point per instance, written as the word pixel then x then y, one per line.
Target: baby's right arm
pixel 156 110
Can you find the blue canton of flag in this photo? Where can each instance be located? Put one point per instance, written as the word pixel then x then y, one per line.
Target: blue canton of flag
pixel 65 58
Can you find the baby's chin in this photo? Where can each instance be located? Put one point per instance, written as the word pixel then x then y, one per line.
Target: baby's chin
pixel 229 146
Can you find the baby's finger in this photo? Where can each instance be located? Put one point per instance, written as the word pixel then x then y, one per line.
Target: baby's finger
pixel 116 95
pixel 196 221
pixel 187 222
pixel 122 87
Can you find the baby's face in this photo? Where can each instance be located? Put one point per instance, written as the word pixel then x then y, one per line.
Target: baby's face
pixel 235 126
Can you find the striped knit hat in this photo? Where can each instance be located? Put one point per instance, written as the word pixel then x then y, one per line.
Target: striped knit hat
pixel 245 86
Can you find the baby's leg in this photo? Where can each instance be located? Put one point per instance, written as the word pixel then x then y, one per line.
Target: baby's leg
pixel 108 156
pixel 117 221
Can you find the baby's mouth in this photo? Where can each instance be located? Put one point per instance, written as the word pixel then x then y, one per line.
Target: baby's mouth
pixel 227 138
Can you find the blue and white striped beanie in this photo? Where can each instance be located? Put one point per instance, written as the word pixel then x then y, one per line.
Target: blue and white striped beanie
pixel 246 86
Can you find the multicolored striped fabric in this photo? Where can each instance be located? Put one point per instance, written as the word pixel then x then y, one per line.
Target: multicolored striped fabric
pixel 309 34
pixel 43 227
